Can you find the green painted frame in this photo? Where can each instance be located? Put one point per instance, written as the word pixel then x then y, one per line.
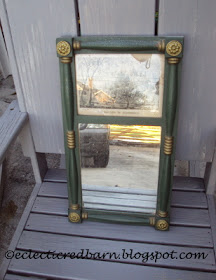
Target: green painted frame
pixel 172 48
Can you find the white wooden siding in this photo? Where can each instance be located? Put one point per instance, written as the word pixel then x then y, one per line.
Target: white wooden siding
pixel 4 62
pixel 117 17
pixel 195 19
pixel 34 27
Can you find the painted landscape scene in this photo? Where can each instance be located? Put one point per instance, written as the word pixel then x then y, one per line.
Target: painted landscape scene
pixel 120 84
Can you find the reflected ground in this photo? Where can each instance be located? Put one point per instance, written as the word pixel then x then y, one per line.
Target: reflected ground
pixel 133 159
pixel 129 167
pixel 129 179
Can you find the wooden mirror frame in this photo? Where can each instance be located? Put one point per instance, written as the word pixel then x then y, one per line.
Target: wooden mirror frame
pixel 172 48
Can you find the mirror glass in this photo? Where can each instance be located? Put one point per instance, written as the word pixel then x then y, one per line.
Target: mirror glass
pixel 120 84
pixel 120 166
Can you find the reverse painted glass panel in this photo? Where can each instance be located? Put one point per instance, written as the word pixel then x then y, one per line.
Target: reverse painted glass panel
pixel 120 84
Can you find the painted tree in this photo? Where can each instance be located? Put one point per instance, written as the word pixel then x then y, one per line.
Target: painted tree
pixel 126 94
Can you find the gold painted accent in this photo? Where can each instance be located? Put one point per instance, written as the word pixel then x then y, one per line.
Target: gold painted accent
pixel 74 217
pixel 174 48
pixel 162 225
pixel 71 139
pixel 162 214
pixel 63 48
pixel 168 143
pixel 152 221
pixel 76 45
pixel 161 46
pixel 173 60
pixel 66 59
pixel 74 206
pixel 85 215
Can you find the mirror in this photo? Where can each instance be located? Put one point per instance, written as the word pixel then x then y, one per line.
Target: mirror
pixel 120 84
pixel 120 166
pixel 119 101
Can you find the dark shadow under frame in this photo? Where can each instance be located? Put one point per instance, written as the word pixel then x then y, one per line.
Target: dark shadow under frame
pixel 172 48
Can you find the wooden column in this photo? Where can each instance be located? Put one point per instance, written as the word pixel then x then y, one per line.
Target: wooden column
pixel 64 50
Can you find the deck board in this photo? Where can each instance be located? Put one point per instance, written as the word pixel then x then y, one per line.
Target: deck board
pixel 179 216
pixel 43 242
pixel 68 269
pixel 47 228
pixel 19 229
pixel 185 236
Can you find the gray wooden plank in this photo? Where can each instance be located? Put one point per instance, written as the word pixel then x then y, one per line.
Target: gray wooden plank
pixel 68 269
pixel 195 20
pixel 43 242
pixel 11 123
pixel 179 216
pixel 33 36
pixel 56 175
pixel 185 236
pixel 188 184
pixel 19 229
pixel 189 217
pixel 212 214
pixel 189 199
pixel 179 198
pixel 180 183
pixel 21 277
pixel 101 17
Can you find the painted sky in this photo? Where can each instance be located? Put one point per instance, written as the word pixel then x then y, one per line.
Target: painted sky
pixel 106 69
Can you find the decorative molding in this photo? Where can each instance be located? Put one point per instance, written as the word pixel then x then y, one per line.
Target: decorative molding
pixel 74 217
pixel 71 139
pixel 74 206
pixel 162 225
pixel 161 46
pixel 162 214
pixel 173 60
pixel 63 48
pixel 66 59
pixel 174 48
pixel 152 221
pixel 76 45
pixel 85 215
pixel 168 144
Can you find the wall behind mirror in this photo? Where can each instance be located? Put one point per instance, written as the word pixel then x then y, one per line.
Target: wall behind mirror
pixel 120 166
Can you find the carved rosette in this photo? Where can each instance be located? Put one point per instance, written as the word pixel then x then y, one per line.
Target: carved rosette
pixel 162 225
pixel 74 217
pixel 174 48
pixel 63 48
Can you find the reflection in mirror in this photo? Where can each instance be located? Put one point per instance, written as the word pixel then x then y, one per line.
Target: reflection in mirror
pixel 120 166
pixel 120 84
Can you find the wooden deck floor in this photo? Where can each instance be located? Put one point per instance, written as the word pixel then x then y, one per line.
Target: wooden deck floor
pixel 44 227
